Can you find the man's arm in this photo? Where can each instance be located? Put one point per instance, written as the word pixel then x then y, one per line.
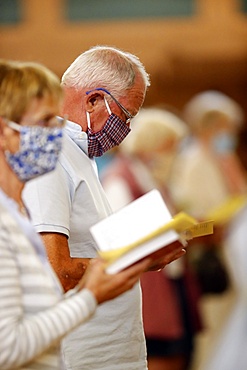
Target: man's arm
pixel 69 270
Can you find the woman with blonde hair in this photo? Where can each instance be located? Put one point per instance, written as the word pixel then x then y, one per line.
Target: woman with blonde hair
pixel 34 313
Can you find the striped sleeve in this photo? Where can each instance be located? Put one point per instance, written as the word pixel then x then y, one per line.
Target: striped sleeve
pixel 25 337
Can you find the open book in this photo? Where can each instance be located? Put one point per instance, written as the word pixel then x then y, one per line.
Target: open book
pixel 141 228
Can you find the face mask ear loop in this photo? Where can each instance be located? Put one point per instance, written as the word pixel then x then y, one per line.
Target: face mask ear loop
pixel 107 106
pixel 88 119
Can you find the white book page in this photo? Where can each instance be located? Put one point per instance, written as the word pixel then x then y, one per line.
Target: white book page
pixel 133 222
pixel 142 251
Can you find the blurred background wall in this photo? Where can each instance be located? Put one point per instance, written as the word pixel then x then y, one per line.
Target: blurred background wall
pixel 186 45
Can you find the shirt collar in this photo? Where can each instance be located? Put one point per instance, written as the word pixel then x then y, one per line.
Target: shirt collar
pixel 76 133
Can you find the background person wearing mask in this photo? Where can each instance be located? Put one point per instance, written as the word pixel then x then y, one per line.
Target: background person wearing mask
pixel 170 297
pixel 34 314
pixel 208 173
pixel 104 88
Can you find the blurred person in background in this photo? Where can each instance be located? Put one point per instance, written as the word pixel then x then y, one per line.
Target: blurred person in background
pixel 104 89
pixel 209 171
pixel 170 296
pixel 229 348
pixel 34 314
pixel 207 176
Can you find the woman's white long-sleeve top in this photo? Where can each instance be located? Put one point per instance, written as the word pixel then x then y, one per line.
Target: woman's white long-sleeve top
pixel 34 315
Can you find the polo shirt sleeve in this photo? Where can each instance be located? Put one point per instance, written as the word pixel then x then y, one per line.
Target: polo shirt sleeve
pixel 48 199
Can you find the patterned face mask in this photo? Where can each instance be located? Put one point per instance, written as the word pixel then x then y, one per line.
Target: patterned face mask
pixel 112 134
pixel 39 150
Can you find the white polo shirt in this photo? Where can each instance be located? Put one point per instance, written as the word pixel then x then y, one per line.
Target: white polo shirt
pixel 69 200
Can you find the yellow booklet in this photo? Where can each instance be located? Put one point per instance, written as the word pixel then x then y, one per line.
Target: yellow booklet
pixel 226 211
pixel 141 228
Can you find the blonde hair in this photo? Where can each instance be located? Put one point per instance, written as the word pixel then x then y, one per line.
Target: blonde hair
pixel 151 128
pixel 20 82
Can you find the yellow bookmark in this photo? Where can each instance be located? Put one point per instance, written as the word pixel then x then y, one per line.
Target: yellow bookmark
pixel 181 223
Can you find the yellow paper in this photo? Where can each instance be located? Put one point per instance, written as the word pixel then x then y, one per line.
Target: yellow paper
pixel 200 229
pixel 227 210
pixel 182 223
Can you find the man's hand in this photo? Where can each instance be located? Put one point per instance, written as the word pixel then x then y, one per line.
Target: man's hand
pixel 166 255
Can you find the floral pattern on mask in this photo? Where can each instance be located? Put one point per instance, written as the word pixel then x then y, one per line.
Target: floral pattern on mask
pixel 39 151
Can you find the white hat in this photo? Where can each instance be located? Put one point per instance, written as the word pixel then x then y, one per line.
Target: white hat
pixel 209 101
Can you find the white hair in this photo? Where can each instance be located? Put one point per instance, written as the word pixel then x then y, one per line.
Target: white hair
pixel 107 67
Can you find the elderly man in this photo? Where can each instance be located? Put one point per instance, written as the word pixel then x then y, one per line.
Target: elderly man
pixel 104 88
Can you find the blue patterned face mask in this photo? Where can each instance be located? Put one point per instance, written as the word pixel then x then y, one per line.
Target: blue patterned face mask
pixel 39 150
pixel 224 143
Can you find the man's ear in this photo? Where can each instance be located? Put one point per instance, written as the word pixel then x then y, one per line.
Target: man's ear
pixel 92 101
